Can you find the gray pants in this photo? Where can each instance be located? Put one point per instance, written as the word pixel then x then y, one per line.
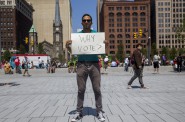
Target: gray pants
pixel 137 73
pixel 93 71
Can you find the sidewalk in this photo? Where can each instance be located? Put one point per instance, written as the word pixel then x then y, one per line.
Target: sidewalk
pixel 47 97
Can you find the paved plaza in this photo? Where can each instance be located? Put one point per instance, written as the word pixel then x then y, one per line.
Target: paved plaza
pixel 47 97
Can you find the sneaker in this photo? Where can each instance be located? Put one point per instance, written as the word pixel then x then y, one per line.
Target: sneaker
pixel 129 87
pixel 100 117
pixel 77 117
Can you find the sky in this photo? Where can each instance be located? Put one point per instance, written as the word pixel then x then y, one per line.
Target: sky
pixel 80 7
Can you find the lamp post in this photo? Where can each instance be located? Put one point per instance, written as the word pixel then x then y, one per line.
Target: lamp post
pixel 0 50
pixel 149 50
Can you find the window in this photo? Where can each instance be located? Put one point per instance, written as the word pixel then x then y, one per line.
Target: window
pixel 119 8
pixel 142 8
pixel 134 8
pixel 111 14
pixel 127 8
pixel 57 37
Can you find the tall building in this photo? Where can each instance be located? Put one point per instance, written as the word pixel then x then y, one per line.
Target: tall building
pixel 57 32
pixel 43 19
pixel 169 16
pixel 15 22
pixel 125 23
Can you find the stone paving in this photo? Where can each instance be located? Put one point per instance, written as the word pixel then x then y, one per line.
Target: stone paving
pixel 47 97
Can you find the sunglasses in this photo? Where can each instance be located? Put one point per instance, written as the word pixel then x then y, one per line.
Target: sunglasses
pixel 86 20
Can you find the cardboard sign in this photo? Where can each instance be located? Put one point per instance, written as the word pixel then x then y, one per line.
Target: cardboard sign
pixel 88 43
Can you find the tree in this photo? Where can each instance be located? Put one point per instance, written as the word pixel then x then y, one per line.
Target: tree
pixel 179 31
pixel 154 49
pixel 173 53
pixel 144 51
pixel 181 51
pixel 7 55
pixel 22 49
pixel 40 49
pixel 165 51
pixel 119 54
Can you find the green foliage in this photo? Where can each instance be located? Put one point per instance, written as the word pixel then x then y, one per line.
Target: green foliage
pixel 40 49
pixel 165 51
pixel 22 49
pixel 119 54
pixel 6 55
pixel 179 32
pixel 180 51
pixel 154 49
pixel 144 51
pixel 173 53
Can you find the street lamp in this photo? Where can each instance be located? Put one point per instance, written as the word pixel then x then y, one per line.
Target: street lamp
pixel 0 50
pixel 33 41
pixel 149 50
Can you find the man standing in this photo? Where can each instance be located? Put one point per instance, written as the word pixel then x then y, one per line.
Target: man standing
pixel 156 63
pixel 17 63
pixel 87 66
pixel 26 62
pixel 179 63
pixel 137 66
pixel 40 62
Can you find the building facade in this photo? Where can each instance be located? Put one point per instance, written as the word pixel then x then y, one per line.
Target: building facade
pixel 57 32
pixel 169 17
pixel 15 22
pixel 43 19
pixel 125 23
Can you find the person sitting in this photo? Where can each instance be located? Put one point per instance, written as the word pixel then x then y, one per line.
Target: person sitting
pixel 7 68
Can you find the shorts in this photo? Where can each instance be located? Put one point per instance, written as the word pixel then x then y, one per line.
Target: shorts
pixel 156 64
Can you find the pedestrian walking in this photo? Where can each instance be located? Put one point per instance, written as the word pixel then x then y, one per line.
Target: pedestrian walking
pixel 156 59
pixel 137 67
pixel 164 59
pixel 126 62
pixel 26 62
pixel 87 66
pixel 179 63
pixel 106 62
pixel 17 65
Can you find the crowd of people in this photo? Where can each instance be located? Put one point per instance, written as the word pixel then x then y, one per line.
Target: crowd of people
pixel 22 67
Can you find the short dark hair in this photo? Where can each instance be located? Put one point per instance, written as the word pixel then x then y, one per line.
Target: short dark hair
pixel 139 44
pixel 86 15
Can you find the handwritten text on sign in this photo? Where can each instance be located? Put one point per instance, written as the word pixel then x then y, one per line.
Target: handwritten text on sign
pixel 88 43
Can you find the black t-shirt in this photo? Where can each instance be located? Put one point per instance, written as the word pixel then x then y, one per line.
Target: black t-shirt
pixel 179 59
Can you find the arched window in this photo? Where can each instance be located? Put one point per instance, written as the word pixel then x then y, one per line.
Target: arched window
pixel 128 52
pixel 134 14
pixel 127 14
pixel 119 36
pixel 142 14
pixel 119 14
pixel 111 14
pixel 127 35
pixel 111 36
pixel 112 52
